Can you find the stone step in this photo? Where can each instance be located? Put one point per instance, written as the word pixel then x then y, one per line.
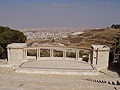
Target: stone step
pixel 56 71
pixel 110 82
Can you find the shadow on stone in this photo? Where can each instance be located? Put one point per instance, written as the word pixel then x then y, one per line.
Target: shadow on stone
pixel 102 81
pixel 118 83
pixel 99 81
pixel 105 82
pixel 113 83
pixel 109 82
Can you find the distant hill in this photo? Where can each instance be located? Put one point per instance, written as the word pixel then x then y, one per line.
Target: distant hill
pixel 88 37
pixel 52 29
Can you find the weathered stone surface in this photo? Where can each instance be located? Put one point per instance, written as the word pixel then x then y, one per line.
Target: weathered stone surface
pixel 100 56
pixel 17 53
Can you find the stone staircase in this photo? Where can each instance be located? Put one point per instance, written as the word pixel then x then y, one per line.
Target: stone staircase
pixel 110 82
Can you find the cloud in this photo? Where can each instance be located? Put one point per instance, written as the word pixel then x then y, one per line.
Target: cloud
pixel 60 4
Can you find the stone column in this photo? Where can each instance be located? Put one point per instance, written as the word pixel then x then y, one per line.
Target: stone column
pixel 89 60
pixel 9 54
pixel 51 53
pixel 24 54
pixel 64 54
pixel 38 53
pixel 77 54
pixel 97 56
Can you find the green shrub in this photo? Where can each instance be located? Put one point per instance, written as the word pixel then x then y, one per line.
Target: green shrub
pixel 8 36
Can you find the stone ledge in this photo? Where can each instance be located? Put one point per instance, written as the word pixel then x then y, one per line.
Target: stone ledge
pixel 56 71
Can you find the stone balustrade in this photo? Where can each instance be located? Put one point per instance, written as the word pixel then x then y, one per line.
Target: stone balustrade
pixel 98 56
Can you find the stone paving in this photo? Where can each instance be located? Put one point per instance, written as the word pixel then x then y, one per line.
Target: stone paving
pixel 21 81
pixel 58 64
pixel 57 67
pixel 11 80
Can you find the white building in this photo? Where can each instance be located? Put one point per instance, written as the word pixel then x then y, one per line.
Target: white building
pixel 100 56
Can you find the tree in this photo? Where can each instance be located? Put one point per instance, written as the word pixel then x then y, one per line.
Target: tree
pixel 1 51
pixel 8 36
pixel 117 26
pixel 115 52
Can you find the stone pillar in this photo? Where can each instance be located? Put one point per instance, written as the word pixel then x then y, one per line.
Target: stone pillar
pixel 17 53
pixel 64 54
pixel 100 56
pixel 9 54
pixel 77 54
pixel 97 56
pixel 51 53
pixel 89 59
pixel 38 54
pixel 25 54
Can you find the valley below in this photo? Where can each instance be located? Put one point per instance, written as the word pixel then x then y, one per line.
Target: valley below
pixel 74 38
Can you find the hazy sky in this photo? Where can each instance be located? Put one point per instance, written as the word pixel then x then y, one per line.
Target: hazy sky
pixel 59 13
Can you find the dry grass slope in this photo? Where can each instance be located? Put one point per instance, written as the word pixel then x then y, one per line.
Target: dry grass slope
pixel 95 36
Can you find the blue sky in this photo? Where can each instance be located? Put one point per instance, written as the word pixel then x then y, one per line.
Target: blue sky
pixel 59 13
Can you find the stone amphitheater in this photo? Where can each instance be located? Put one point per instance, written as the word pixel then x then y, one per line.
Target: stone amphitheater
pixel 23 72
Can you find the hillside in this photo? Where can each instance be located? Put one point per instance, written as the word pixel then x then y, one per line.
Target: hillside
pixel 88 37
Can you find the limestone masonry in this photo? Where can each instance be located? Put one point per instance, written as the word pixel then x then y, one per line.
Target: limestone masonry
pixel 17 54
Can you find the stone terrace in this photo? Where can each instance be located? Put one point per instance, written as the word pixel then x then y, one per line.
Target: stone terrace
pixel 57 67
